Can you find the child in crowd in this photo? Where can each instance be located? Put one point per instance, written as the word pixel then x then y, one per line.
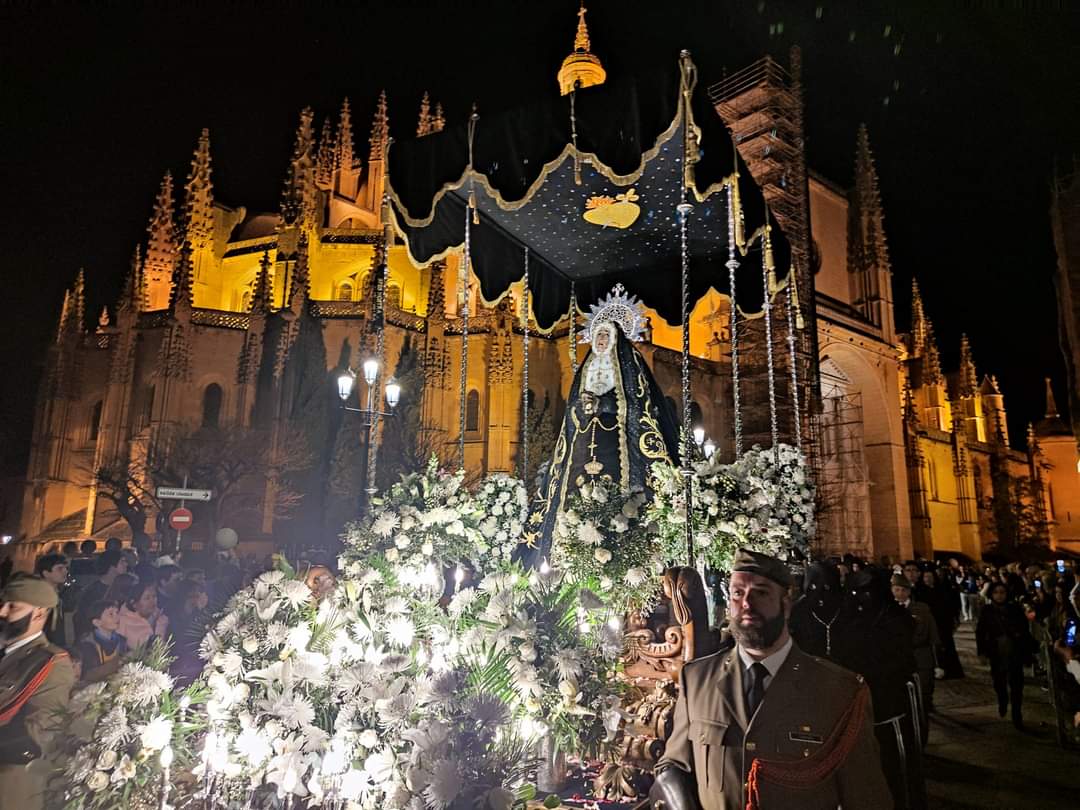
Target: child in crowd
pixel 102 650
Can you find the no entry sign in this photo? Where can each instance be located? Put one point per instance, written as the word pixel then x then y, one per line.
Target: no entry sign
pixel 180 519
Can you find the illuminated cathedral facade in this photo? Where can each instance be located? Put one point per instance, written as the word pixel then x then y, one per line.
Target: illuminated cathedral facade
pixel 242 321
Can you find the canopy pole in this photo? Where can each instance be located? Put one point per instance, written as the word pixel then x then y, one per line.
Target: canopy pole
pixel 466 264
pixel 733 321
pixel 380 348
pixel 525 375
pixel 767 282
pixel 683 209
pixel 792 299
pixel 573 329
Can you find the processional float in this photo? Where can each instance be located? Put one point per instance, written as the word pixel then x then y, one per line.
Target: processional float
pixel 634 183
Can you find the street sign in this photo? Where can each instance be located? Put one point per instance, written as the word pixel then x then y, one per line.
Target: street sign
pixel 180 519
pixel 184 494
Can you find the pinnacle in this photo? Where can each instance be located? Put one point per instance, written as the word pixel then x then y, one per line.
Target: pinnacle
pixel 327 156
pixel 298 293
pixel 181 298
pixel 423 125
pixel 199 196
pixel 299 200
pixel 969 379
pixel 581 39
pixel 345 160
pixel 1051 404
pixel 380 128
pixel 262 291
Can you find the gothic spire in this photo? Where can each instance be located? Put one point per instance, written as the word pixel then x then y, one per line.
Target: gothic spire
pixel 262 292
pixel 969 379
pixel 298 203
pixel 380 128
pixel 324 163
pixel 1051 404
pixel 65 316
pixel 424 124
pixel 298 292
pixel 931 363
pixel 344 159
pixel 199 197
pixel 438 120
pixel 78 300
pixel 873 246
pixel 131 299
pixel 581 38
pixel 181 299
pixel 162 228
pixel 918 321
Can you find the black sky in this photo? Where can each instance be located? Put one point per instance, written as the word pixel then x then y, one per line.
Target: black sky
pixel 969 105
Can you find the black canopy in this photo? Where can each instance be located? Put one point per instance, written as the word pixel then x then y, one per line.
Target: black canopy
pixel 630 135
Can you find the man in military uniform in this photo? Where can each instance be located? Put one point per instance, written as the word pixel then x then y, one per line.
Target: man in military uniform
pixel 35 682
pixel 762 724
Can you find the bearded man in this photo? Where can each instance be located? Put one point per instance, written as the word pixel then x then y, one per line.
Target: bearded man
pixel 762 724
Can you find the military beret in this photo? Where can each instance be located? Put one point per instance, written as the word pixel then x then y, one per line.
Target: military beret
pixel 899 580
pixel 754 562
pixel 31 591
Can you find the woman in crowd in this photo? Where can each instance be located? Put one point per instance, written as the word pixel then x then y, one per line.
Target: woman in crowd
pixel 1003 637
pixel 140 619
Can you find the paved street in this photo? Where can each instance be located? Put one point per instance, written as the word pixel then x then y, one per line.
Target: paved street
pixel 977 760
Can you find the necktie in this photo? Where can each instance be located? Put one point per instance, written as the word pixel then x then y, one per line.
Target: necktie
pixel 758 673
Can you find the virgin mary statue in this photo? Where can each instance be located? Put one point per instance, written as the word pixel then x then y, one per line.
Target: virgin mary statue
pixel 617 422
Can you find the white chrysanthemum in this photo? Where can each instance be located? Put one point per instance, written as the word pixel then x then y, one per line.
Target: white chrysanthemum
pixel 82 699
pixel 141 685
pixel 385 524
pixel 589 534
pixel 295 592
pixel 230 663
pixel 445 785
pixel 461 602
pixel 400 631
pixel 271 577
pixel 253 745
pixel 295 711
pixel 228 624
pixel 602 555
pixel 156 734
pixel 568 665
pixel 277 633
pixel 634 576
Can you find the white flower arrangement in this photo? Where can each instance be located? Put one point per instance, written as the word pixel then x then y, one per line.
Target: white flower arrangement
pixel 504 503
pixel 121 733
pixel 603 543
pixel 764 501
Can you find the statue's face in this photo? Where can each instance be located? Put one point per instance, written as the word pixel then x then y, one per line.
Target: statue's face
pixel 602 339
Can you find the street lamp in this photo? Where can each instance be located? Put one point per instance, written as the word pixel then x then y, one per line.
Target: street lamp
pixel 345 382
pixel 709 447
pixel 699 435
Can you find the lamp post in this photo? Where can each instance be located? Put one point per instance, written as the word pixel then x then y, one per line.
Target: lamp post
pixel 368 416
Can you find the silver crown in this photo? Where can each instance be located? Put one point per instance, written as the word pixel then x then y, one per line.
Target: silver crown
pixel 618 308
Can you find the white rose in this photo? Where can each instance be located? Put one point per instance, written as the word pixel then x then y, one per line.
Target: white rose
pixel 497 509
pixel 107 760
pixel 427 548
pixel 392 555
pixel 402 541
pixel 251 644
pixel 368 738
pixel 527 651
pixel 606 583
pixel 99 780
pixel 602 555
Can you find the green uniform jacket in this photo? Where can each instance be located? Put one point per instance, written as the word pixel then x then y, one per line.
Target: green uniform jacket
pixel 22 787
pixel 800 709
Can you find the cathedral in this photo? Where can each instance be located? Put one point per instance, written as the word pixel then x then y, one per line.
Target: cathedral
pixel 218 365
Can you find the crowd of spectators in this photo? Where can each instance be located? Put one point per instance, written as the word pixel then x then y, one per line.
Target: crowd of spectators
pixel 118 599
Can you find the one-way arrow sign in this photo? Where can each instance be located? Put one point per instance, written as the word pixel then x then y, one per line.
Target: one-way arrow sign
pixel 166 493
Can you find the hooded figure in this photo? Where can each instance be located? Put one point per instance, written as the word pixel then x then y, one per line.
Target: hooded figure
pixel 817 620
pixel 617 421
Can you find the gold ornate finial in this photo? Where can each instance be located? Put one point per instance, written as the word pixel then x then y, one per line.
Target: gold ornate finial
pixel 581 68
pixel 581 41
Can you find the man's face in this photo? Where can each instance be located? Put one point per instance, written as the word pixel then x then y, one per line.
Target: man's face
pixel 900 593
pixel 56 576
pixel 108 621
pixel 18 619
pixel 758 610
pixel 912 573
pixel 168 586
pixel 998 595
pixel 121 566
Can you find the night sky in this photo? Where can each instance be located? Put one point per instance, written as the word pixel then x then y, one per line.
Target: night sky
pixel 969 110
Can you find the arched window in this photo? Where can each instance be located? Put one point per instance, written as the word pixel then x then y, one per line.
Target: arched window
pixel 472 412
pixel 95 422
pixel 344 291
pixel 245 300
pixel 211 405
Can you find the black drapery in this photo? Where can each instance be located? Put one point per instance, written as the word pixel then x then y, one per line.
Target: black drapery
pixel 630 134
